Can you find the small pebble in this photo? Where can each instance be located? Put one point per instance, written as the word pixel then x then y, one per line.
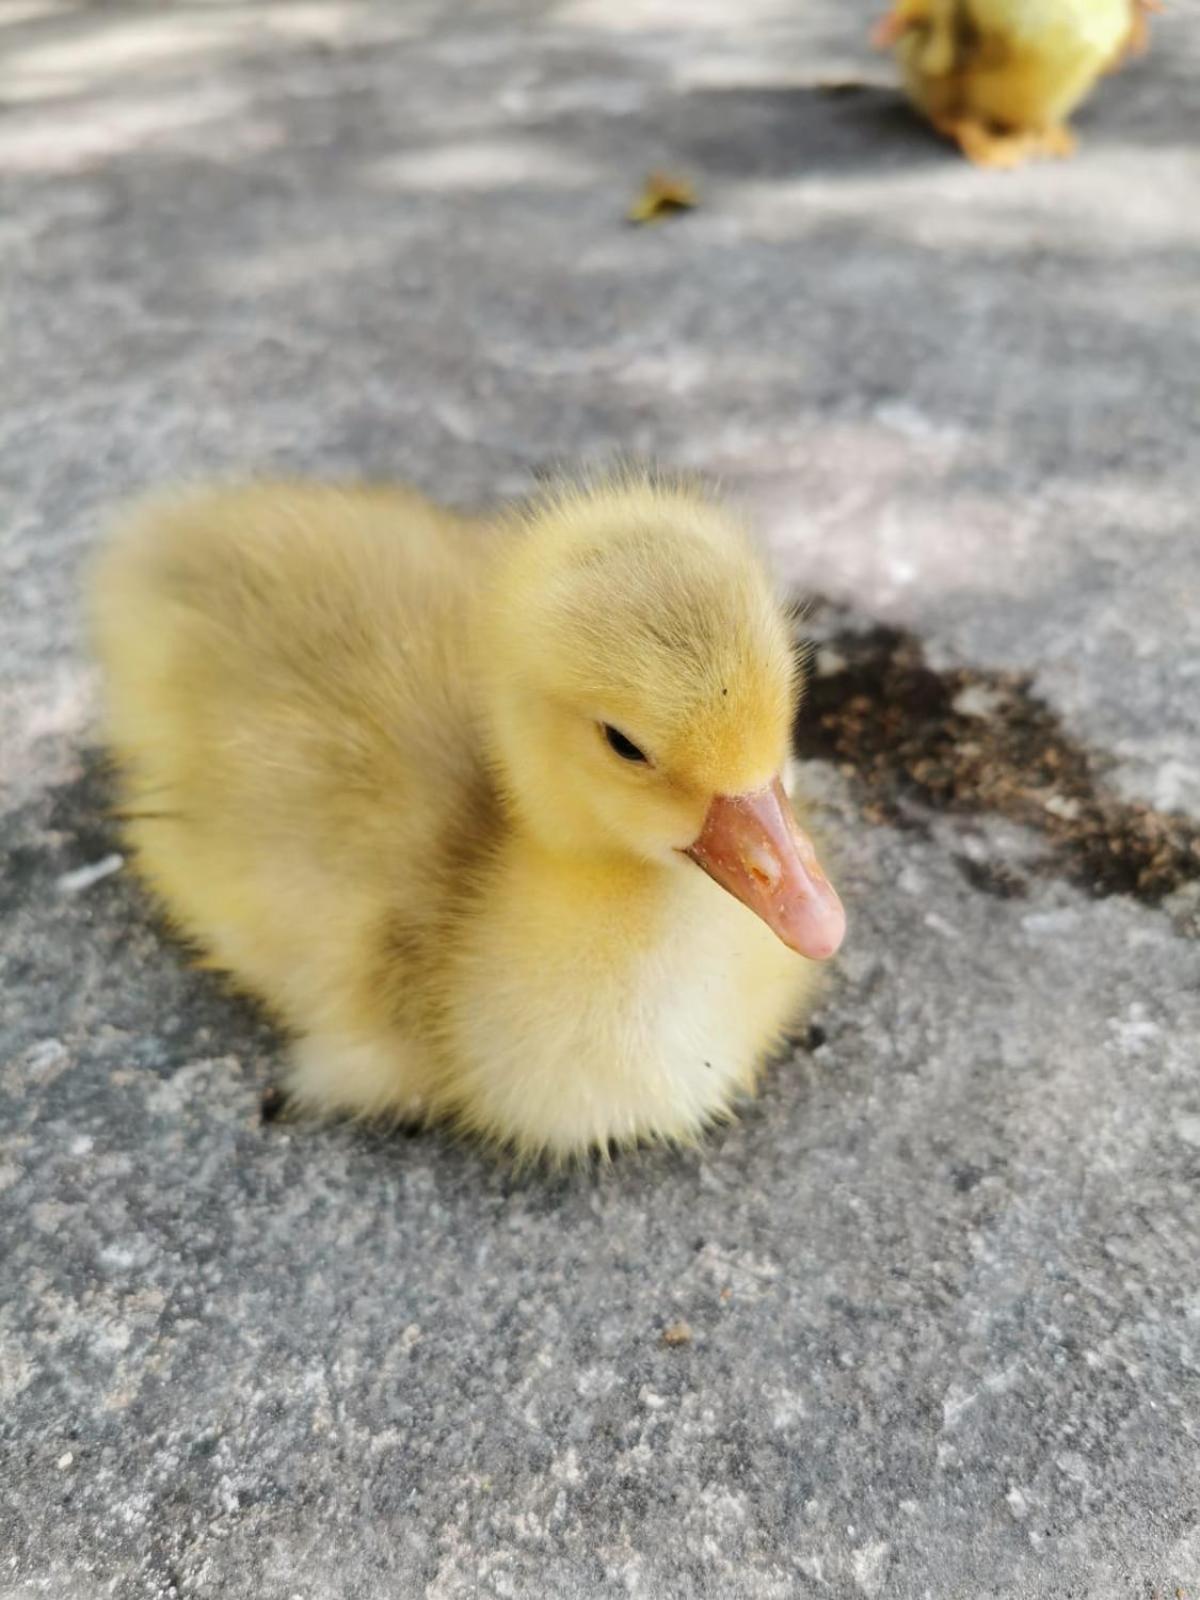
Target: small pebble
pixel 676 1333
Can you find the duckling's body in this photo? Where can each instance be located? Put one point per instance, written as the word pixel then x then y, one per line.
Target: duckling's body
pixel 359 739
pixel 1002 77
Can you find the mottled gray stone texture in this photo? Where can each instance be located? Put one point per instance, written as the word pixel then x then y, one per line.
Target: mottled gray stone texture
pixel 942 1276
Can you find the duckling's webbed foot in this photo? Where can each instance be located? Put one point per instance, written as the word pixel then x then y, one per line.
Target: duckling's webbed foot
pixel 1002 149
pixel 1058 142
pixel 981 146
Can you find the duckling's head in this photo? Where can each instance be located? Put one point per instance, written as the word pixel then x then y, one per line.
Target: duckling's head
pixel 640 685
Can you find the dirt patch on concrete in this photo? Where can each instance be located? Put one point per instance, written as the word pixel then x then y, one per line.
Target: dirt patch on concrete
pixel 970 741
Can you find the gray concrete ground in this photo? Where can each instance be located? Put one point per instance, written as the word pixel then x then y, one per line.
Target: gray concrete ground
pixel 942 1276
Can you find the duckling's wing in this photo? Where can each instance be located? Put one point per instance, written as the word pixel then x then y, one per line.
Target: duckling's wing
pixel 290 702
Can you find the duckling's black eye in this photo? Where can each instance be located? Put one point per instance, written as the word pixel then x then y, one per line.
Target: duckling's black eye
pixel 624 747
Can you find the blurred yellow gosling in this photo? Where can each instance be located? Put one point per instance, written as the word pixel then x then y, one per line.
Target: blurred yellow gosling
pixel 1001 77
pixel 490 814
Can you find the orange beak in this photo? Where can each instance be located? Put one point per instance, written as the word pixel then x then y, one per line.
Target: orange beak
pixel 752 845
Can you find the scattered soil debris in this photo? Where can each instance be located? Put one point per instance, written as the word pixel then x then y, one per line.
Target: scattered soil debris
pixel 967 741
pixel 273 1105
pixel 993 877
pixel 842 86
pixel 677 1333
pixel 662 195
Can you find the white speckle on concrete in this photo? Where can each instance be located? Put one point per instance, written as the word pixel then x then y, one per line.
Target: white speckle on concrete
pixel 912 880
pixel 787 1408
pixel 124 1255
pixel 827 661
pixel 918 426
pixel 111 1337
pixel 1058 805
pixel 1017 1502
pixel 977 700
pixel 83 878
pixel 1135 1033
pixel 44 1061
pixel 1051 924
pixel 594 1383
pixel 1176 786
pixel 955 1402
pixel 869 1564
pixel 1072 1465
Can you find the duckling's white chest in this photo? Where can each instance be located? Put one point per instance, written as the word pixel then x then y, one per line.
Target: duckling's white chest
pixel 613 1011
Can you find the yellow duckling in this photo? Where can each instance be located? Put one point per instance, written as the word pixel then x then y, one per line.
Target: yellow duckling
pixel 489 814
pixel 1001 77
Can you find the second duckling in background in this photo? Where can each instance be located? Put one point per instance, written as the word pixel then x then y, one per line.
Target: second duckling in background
pixel 490 814
pixel 1001 77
